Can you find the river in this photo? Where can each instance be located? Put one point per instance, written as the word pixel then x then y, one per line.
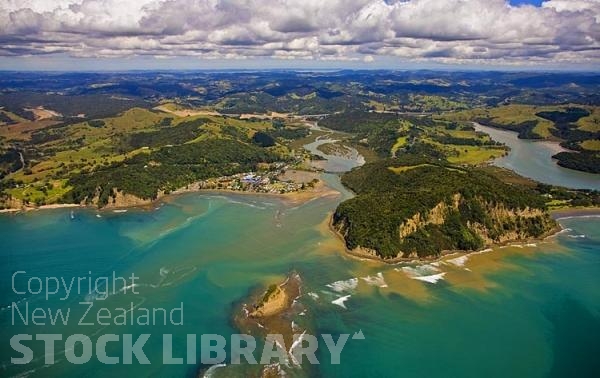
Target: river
pixel 520 311
pixel 533 159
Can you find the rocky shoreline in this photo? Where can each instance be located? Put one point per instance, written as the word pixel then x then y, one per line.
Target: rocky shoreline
pixel 271 311
pixel 368 254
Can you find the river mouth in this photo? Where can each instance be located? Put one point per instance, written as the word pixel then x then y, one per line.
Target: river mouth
pixel 208 250
pixel 533 159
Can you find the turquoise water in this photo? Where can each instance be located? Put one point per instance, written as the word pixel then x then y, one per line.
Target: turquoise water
pixel 540 317
pixel 534 159
pixel 530 311
pixel 519 311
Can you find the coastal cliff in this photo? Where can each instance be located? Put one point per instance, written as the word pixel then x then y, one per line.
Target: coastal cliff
pixel 429 209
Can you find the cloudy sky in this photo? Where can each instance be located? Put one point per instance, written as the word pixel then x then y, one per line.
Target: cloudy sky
pixel 128 34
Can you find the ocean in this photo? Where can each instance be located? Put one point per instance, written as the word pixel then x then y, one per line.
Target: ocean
pixel 517 311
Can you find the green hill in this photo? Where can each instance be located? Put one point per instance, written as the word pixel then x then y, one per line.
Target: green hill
pixel 412 206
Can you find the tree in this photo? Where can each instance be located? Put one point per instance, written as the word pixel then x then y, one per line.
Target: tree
pixel 263 139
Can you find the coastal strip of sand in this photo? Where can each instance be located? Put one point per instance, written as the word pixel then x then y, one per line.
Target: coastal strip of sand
pixel 43 207
pixel 126 201
pixel 574 212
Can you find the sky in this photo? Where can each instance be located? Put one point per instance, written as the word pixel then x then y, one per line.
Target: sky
pixel 360 34
pixel 537 3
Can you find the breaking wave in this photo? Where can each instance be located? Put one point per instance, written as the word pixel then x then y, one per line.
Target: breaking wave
pixel 341 286
pixel 341 301
pixel 376 280
pixel 426 273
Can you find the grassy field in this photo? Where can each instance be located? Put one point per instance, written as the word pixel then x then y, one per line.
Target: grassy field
pixel 406 168
pixel 436 103
pixel 508 115
pixel 82 147
pixel 22 130
pixel 12 116
pixel 516 114
pixel 591 122
pixel 591 145
pixel 465 153
pixel 474 154
pixel 401 142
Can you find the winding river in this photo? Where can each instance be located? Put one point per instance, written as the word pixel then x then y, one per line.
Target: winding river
pixel 533 159
pixel 520 311
pixel 334 163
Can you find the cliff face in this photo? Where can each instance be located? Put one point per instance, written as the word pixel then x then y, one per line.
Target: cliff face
pixel 434 207
pixel 458 223
pixel 437 215
pixel 499 223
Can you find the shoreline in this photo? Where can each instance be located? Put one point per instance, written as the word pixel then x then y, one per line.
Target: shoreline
pixel 293 198
pixel 270 309
pixel 53 206
pixel 567 213
pixel 550 144
pixel 574 212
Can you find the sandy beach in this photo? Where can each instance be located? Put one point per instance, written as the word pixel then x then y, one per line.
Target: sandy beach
pixel 43 207
pixel 575 212
pixel 319 190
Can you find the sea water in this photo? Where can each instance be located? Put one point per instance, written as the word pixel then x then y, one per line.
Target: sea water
pixel 519 311
pixel 528 310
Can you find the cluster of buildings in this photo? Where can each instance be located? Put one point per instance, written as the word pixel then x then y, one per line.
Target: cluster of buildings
pixel 264 182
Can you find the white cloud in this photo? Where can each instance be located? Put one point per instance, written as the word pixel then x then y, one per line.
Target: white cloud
pixel 435 30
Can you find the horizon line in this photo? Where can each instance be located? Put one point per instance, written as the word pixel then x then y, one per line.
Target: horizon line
pixel 311 69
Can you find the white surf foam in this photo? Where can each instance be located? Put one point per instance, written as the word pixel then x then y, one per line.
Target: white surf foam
pixel 249 204
pixel 341 301
pixel 434 278
pixel 212 369
pixel 426 273
pixel 376 280
pixel 459 261
pixel 340 286
pixel 420 270
pixel 579 216
pixel 295 344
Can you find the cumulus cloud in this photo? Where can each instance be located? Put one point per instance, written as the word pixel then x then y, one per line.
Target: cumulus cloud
pixel 431 30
